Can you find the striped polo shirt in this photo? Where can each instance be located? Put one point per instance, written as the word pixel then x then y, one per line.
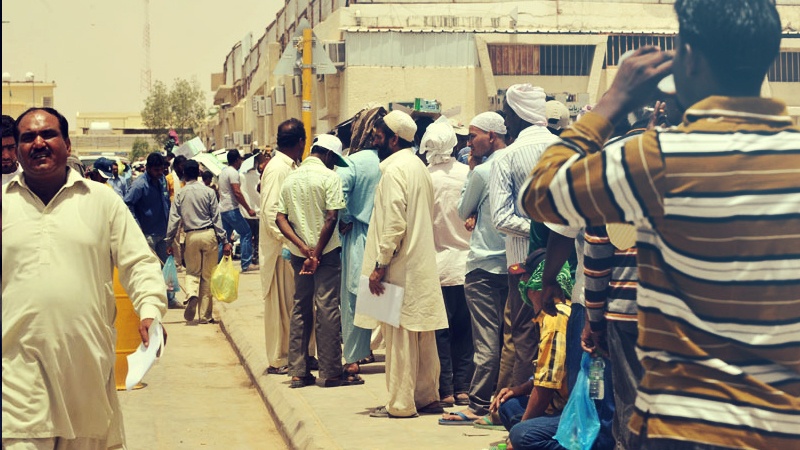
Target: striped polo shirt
pixel 717 205
pixel 611 279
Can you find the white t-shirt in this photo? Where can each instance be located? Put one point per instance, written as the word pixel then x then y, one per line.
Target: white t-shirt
pixel 8 176
pixel 226 180
pixel 249 186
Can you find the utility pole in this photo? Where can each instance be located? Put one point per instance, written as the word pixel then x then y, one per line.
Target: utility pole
pixel 305 56
pixel 308 40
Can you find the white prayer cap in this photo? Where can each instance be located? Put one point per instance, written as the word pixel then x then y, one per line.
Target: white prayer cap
pixel 401 124
pixel 489 121
pixel 332 143
pixel 528 103
pixel 438 141
pixel 557 115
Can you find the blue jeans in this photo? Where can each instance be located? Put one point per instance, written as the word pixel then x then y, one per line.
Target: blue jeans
pixel 531 434
pixel 233 220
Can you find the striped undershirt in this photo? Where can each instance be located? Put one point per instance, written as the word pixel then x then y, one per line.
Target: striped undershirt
pixel 717 205
pixel 611 280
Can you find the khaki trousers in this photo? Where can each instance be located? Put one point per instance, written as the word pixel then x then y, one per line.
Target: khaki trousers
pixel 278 302
pixel 201 260
pixel 412 370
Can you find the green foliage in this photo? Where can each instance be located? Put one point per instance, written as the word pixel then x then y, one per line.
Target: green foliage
pixel 141 148
pixel 181 107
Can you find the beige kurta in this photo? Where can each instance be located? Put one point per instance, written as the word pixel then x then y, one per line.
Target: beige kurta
pixel 401 235
pixel 59 307
pixel 277 276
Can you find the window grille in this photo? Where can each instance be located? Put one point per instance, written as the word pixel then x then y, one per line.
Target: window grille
pixel 785 68
pixel 556 60
pixel 621 43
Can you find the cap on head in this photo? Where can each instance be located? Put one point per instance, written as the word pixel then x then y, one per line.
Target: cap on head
pixel 332 143
pixel 557 115
pixel 401 124
pixel 489 121
pixel 103 165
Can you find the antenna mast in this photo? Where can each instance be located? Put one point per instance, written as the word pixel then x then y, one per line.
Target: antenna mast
pixel 145 79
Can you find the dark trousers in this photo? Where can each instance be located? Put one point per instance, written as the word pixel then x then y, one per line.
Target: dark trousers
pixel 626 373
pixel 524 333
pixel 454 344
pixel 486 298
pixel 319 291
pixel 536 433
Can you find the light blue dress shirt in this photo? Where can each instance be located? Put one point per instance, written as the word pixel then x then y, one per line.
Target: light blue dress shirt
pixel 487 246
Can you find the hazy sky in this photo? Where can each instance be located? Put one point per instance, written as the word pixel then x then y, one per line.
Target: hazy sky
pixel 93 49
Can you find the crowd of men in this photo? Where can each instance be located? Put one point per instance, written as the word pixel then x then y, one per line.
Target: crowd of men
pixel 513 261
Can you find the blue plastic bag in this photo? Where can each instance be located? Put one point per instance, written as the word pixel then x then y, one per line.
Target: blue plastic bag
pixel 579 424
pixel 170 272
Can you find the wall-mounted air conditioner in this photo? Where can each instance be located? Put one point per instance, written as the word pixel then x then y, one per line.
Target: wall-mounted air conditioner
pixel 280 95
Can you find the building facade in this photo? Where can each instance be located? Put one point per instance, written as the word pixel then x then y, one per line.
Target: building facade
pixel 18 96
pixel 463 53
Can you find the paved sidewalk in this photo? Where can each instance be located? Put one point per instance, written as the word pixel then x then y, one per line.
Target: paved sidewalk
pixel 329 418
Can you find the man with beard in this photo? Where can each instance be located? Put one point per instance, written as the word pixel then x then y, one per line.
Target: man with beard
pixel 400 250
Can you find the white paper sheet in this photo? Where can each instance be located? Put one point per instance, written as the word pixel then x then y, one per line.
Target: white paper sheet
pixel 384 308
pixel 140 361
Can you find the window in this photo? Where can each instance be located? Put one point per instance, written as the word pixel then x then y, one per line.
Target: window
pixel 785 68
pixel 619 44
pixel 557 60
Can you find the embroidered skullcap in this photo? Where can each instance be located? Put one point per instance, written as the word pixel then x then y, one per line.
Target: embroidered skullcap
pixel 489 121
pixel 528 103
pixel 401 124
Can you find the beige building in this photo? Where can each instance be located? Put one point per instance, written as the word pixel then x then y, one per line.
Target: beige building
pixel 463 53
pixel 108 133
pixel 18 96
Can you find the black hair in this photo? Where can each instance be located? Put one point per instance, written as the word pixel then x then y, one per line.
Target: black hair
pixel 156 159
pixel 63 125
pixel 402 143
pixel 180 159
pixel 208 175
pixel 290 133
pixel 739 38
pixel 233 156
pixel 8 126
pixel 191 169
pixel 422 122
pixel 319 150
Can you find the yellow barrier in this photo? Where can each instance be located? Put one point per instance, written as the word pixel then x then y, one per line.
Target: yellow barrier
pixel 128 339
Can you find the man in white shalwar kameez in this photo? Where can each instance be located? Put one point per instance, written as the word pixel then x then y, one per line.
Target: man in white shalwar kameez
pixel 400 250
pixel 62 237
pixel 277 275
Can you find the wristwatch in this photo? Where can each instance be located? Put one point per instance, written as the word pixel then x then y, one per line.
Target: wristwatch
pixel 380 266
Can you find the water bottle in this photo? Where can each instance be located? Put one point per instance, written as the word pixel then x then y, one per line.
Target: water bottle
pixel 597 388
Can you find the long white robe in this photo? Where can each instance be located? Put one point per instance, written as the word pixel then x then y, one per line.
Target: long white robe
pixel 401 235
pixel 59 307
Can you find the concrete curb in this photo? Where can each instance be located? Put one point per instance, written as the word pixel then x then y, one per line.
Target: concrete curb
pixel 294 417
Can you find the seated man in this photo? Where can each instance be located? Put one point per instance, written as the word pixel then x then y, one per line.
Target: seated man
pixel 531 411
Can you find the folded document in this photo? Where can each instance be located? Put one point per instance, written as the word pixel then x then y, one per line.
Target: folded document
pixel 383 308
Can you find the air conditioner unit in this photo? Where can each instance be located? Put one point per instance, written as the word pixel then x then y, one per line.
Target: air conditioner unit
pixel 237 138
pixel 247 139
pixel 227 141
pixel 336 52
pixel 264 106
pixel 255 102
pixel 297 86
pixel 280 95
